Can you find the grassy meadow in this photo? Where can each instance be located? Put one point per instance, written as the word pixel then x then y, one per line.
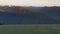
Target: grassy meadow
pixel 30 29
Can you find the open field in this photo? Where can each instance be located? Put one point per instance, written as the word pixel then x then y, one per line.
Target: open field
pixel 30 29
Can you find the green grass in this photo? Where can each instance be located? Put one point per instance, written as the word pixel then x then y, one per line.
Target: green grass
pixel 30 29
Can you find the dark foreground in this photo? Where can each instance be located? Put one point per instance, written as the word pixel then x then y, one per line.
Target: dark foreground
pixel 30 29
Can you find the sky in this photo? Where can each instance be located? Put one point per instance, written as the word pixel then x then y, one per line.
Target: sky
pixel 31 2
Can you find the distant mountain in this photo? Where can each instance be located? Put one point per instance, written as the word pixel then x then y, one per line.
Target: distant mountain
pixel 53 12
pixel 24 16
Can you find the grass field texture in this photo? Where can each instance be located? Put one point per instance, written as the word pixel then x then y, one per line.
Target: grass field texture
pixel 30 29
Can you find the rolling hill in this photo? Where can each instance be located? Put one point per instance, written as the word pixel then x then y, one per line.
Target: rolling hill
pixel 15 15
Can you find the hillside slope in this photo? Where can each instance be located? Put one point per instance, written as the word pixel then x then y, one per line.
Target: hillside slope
pixel 25 18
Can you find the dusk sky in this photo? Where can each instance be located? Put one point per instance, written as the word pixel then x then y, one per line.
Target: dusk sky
pixel 31 2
